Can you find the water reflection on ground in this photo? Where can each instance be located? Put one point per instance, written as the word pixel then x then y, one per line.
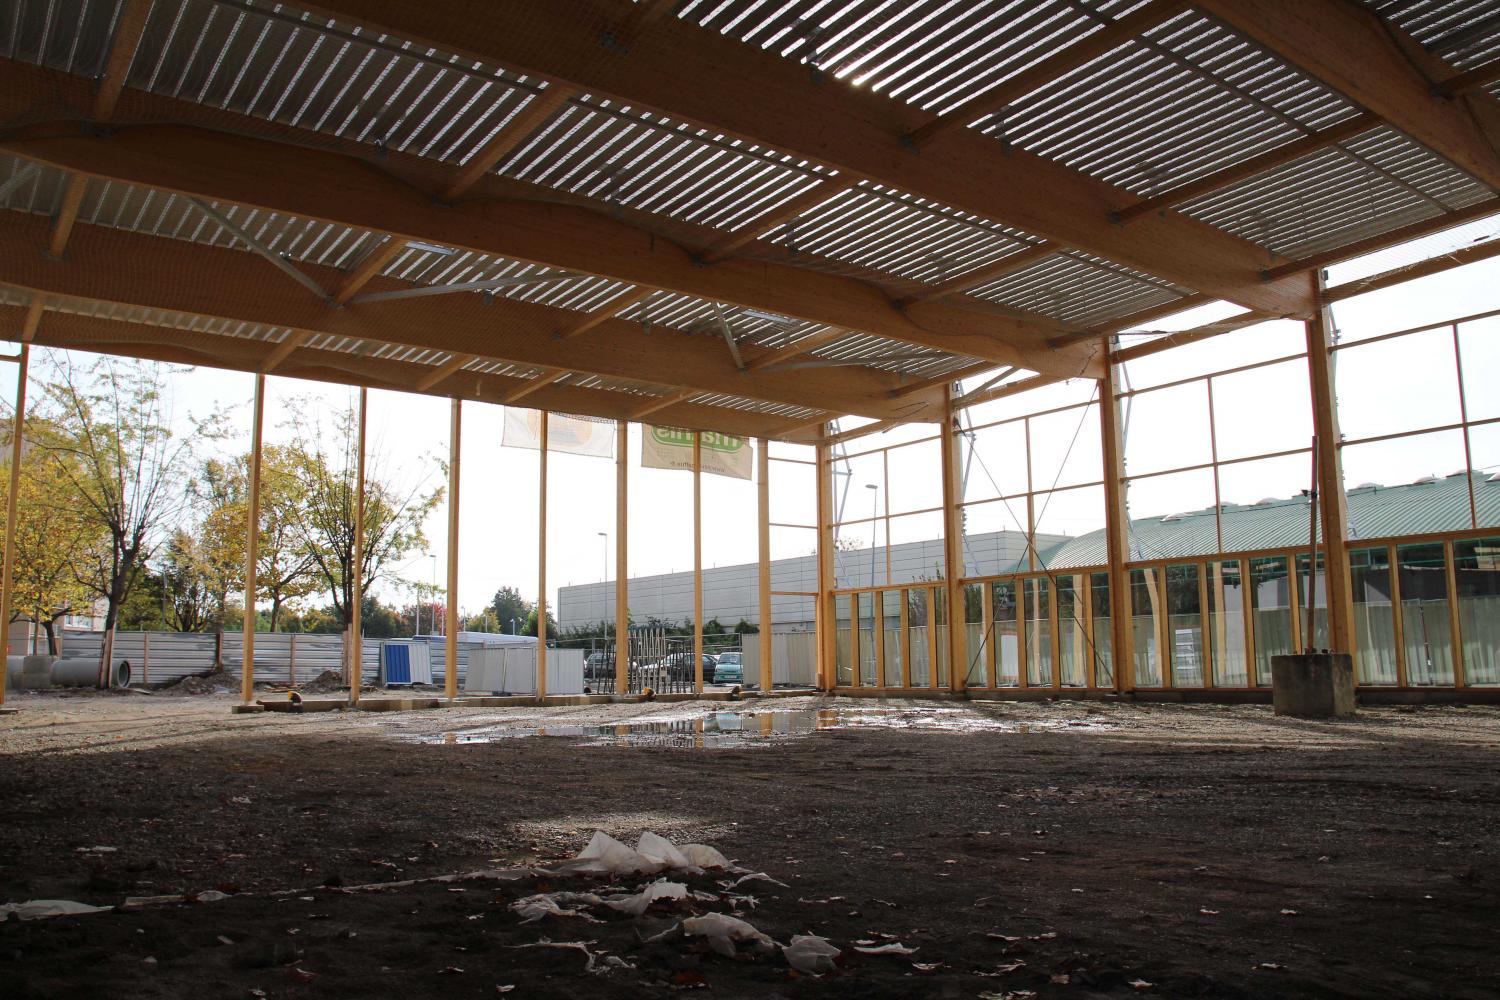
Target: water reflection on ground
pixel 732 729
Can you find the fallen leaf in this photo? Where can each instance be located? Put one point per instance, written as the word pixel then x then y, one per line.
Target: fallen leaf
pixel 300 975
pixel 1061 979
pixel 688 979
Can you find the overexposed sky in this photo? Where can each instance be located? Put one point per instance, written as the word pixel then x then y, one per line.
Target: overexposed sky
pixel 1383 388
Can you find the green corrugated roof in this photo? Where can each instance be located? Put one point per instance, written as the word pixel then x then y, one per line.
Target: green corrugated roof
pixel 1374 512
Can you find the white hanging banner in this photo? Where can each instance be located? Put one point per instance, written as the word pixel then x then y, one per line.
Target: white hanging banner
pixel 721 454
pixel 566 435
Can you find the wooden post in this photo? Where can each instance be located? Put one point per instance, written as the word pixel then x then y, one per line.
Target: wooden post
pixel 450 610
pixel 826 614
pixel 357 590
pixel 697 562
pixel 953 553
pixel 763 501
pixel 622 552
pixel 1331 498
pixel 541 566
pixel 1116 526
pixel 252 541
pixel 17 434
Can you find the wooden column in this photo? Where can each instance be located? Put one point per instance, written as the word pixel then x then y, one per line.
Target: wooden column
pixel 541 568
pixel 252 540
pixel 953 542
pixel 825 616
pixel 450 610
pixel 697 562
pixel 622 551
pixel 12 503
pixel 1116 526
pixel 357 591
pixel 763 503
pixel 1332 503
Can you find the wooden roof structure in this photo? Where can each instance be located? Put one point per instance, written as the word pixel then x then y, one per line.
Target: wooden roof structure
pixel 748 216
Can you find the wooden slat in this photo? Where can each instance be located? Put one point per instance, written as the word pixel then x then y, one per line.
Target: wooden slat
pixel 716 82
pixel 1252 167
pixel 67 215
pixel 127 269
pixel 593 319
pixel 522 124
pixel 370 265
pixel 660 404
pixel 532 385
pixel 985 273
pixel 1081 52
pixel 1348 47
pixel 444 371
pixel 1373 244
pixel 804 346
pixel 122 51
pixel 750 232
pixel 314 184
pixel 102 336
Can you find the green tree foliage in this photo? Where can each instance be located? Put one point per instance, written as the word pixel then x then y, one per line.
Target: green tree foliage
pixel 394 514
pixel 508 605
pixel 107 423
pixel 54 535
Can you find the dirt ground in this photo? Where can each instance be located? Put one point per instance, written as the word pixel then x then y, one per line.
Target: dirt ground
pixel 1024 850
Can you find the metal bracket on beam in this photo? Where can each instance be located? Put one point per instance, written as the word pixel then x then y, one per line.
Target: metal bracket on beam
pixel 723 324
pixel 281 262
pixel 467 286
pixel 18 178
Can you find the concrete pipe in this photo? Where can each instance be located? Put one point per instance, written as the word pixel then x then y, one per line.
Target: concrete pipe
pixel 84 672
pixel 36 671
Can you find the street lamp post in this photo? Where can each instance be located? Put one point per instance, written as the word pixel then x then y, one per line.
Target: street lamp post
pixel 432 594
pixel 604 579
pixel 874 513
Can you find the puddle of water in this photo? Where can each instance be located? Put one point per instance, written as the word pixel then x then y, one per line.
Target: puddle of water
pixel 721 730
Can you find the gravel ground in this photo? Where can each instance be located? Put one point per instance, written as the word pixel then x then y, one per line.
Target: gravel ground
pixel 1064 849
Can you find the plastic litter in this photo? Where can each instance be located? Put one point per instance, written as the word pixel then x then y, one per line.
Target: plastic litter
pixel 706 857
pixel 41 909
pixel 757 877
pixel 810 954
pixel 722 932
pixel 662 851
pixel 894 948
pixel 598 963
pixel 556 904
pixel 638 903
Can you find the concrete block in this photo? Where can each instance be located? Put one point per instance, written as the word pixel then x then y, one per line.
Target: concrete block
pixel 1313 685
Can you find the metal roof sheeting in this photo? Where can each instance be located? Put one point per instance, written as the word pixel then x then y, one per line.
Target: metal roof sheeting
pixel 1374 512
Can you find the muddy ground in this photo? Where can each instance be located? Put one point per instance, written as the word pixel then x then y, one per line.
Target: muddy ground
pixel 1048 850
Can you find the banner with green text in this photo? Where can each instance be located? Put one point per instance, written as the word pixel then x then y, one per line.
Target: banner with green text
pixel 721 454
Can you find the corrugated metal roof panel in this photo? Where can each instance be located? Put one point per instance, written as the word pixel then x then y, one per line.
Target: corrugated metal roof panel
pixel 1374 512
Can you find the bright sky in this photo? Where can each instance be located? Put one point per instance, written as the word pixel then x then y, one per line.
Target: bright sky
pixel 1381 390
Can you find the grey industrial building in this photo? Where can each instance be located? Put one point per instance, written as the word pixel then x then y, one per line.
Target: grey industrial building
pixel 730 592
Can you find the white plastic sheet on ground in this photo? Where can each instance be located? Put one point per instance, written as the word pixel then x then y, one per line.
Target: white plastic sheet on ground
pixel 41 909
pixel 604 855
pixel 637 903
pixel 811 954
pixel 722 932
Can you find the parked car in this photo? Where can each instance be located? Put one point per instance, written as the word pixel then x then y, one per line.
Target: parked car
pixel 598 665
pixel 730 669
pixel 680 667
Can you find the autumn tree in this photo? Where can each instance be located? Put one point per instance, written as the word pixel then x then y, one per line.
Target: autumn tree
pixel 107 422
pixel 394 512
pixel 53 537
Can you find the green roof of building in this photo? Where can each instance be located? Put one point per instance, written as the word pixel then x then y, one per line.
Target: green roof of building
pixel 1428 505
